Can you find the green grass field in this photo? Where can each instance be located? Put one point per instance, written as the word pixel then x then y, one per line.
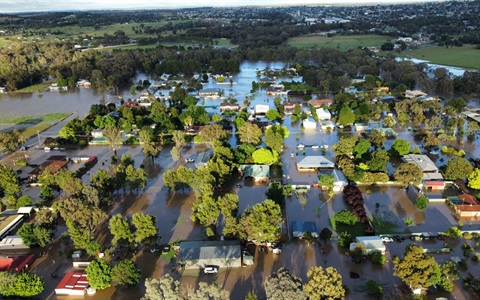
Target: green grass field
pixel 465 57
pixel 342 42
pixel 46 118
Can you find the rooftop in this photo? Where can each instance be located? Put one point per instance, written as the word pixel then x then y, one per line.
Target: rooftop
pixel 313 162
pixel 193 250
pixel 257 171
pixel 422 161
pixel 15 263
pixel 73 283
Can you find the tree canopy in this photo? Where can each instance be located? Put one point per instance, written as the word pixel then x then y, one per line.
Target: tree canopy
pixel 401 147
pixel 262 222
pixel 265 156
pixel 458 168
pixel 408 173
pixel 125 273
pixel 250 134
pixel 324 284
pixel 283 285
pixel 99 274
pixel 20 284
pixel 164 287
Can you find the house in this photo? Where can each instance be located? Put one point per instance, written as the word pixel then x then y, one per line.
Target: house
pixel 369 244
pixel 55 87
pixel 414 94
pixel 276 89
pixel 433 185
pixel 84 83
pixel 266 80
pixel 203 158
pixel 212 92
pixel 261 109
pixel 9 220
pixel 323 114
pixel 317 103
pixel 312 163
pixel 422 161
pixel 19 263
pixel 198 254
pixel 289 105
pixel 309 123
pixel 96 133
pixel 359 127
pixel 193 130
pixel 388 132
pixel 73 283
pixel 229 107
pixel 12 246
pixel 299 228
pixel 307 110
pixel 54 164
pixel 255 173
pixel 467 211
pixel 327 125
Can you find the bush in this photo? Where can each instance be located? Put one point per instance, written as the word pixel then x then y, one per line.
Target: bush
pixel 453 232
pixel 344 239
pixel 467 235
pixel 422 202
pixel 476 257
pixel 408 221
pixel 374 289
pixel 378 258
pixel 345 217
pixel 82 143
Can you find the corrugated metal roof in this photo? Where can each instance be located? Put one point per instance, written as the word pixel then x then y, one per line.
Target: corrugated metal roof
pixel 194 250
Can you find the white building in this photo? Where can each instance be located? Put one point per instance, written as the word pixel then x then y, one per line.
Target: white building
pixel 323 114
pixel 261 109
pixel 369 244
pixel 309 124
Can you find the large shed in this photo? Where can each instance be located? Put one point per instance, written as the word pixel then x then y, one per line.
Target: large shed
pixel 198 254
pixel 312 163
pixel 299 228
pixel 371 244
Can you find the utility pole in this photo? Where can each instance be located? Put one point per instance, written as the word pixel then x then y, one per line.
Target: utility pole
pixel 38 135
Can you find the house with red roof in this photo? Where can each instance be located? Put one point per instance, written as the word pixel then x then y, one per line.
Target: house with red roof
pixel 73 283
pixel 19 263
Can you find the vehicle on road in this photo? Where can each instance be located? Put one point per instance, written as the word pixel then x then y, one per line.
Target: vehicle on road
pixel 315 146
pixel 166 250
pixel 387 239
pixel 210 270
pixel 189 160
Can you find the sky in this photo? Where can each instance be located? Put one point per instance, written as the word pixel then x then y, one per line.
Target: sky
pixel 9 6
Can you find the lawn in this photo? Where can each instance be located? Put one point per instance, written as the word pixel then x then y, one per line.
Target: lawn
pixel 356 230
pixel 342 42
pixel 465 57
pixel 36 88
pixel 46 118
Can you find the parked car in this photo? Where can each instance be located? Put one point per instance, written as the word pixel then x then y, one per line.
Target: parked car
pixel 189 160
pixel 315 146
pixel 387 239
pixel 300 146
pixel 210 270
pixel 166 249
pixel 276 251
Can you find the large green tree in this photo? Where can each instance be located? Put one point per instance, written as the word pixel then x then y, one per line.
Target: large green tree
pixel 458 168
pixel 21 285
pixel 265 156
pixel 150 146
pixel 362 147
pixel 9 184
pixel 11 141
pixel 164 287
pixel 474 179
pixel 346 116
pixel 324 284
pixel 99 274
pixel 113 136
pixel 121 230
pixel 283 285
pixel 126 273
pixel 275 136
pixel 146 227
pixel 401 147
pixel 250 134
pixel 416 268
pixel 408 173
pixel 262 222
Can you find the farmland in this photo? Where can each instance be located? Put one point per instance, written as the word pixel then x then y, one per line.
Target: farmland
pixel 341 42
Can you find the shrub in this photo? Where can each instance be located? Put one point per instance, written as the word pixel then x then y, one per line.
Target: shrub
pixel 476 257
pixel 408 221
pixel 82 143
pixel 345 217
pixel 467 235
pixel 422 202
pixel 344 239
pixel 378 258
pixel 453 232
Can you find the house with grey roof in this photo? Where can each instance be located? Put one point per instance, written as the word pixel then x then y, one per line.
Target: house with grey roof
pixel 255 173
pixel 198 254
pixel 422 161
pixel 312 163
pixel 203 158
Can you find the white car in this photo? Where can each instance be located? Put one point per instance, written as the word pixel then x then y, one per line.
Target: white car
pixel 387 239
pixel 300 146
pixel 315 146
pixel 210 270
pixel 189 160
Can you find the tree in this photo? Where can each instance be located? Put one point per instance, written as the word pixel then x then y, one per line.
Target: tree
pixel 150 147
pixel 276 192
pixel 274 137
pixel 93 247
pixel 345 146
pixel 344 239
pixel 206 211
pixel 345 217
pixel 374 289
pixel 113 136
pixel 362 147
pixel 283 285
pixel 21 284
pixel 68 182
pixel 11 141
pixel 126 273
pixel 228 204
pixel 458 168
pixel 326 181
pixel 178 137
pixel 213 133
pixel 325 234
pixel 79 237
pixel 9 184
pixel 401 147
pixel 454 232
pixel 24 201
pixel 408 173
pixel 262 221
pixel 99 274
pixel 27 235
pixel 250 134
pixel 474 179
pixel 346 116
pixel 45 217
pixel 176 153
pixel 273 115
pixel 265 156
pixel 121 230
pixel 416 269
pixel 164 287
pixel 208 291
pixel 146 227
pixel 324 284
pixel 43 235
pixel 377 138
pixel 422 202
pixel 389 121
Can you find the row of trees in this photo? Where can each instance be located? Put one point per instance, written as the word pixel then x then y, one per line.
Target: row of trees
pixel 102 275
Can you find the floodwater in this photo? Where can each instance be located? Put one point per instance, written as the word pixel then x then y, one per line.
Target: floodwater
pixel 173 209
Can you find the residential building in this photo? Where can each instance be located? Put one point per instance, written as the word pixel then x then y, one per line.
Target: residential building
pixel 73 283
pixel 299 228
pixel 422 161
pixel 212 92
pixel 229 107
pixel 19 263
pixel 309 124
pixel 261 109
pixel 323 114
pixel 313 163
pixel 203 158
pixel 198 254
pixel 255 173
pixel 369 244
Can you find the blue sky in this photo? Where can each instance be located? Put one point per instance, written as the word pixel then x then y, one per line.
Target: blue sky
pixel 7 6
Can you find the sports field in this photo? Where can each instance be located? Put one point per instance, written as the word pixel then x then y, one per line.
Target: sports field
pixel 464 57
pixel 342 42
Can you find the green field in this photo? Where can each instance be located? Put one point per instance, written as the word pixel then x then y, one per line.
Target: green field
pixel 465 57
pixel 46 118
pixel 342 42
